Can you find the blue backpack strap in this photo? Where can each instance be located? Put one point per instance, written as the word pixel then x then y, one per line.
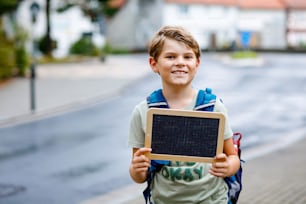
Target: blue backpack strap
pixel 205 101
pixel 156 166
pixel 234 182
pixel 157 100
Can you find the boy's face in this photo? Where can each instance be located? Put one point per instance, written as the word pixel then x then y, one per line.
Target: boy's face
pixel 177 64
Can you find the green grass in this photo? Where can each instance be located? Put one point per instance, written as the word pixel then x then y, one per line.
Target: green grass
pixel 244 54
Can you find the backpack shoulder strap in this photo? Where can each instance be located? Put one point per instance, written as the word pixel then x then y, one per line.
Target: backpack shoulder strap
pixel 157 100
pixel 205 101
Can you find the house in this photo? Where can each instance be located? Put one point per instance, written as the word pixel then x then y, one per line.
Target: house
pixel 266 22
pixel 211 22
pixel 216 24
pixel 66 27
pixel 296 26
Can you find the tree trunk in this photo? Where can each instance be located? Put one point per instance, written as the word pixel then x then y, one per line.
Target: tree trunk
pixel 48 31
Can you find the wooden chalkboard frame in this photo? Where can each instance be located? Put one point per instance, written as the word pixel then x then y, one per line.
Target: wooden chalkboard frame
pixel 160 112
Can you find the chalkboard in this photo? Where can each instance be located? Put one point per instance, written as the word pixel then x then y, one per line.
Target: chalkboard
pixel 181 135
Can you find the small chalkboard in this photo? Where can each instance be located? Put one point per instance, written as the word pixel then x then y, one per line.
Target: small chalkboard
pixel 181 135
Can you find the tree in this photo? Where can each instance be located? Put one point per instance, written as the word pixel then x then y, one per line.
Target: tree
pixel 8 47
pixel 7 6
pixel 91 8
pixel 94 9
pixel 46 43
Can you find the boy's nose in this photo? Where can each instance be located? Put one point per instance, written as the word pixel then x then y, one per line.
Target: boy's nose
pixel 180 61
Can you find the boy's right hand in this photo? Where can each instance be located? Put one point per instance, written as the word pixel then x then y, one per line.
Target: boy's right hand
pixel 140 163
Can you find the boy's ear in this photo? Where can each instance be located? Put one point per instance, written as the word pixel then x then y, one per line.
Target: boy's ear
pixel 153 66
pixel 198 61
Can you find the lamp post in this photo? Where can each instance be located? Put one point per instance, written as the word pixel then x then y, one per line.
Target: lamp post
pixel 34 9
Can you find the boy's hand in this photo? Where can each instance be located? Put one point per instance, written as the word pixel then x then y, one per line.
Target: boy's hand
pixel 221 166
pixel 140 163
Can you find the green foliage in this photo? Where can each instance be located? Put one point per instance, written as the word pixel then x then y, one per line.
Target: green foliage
pixel 7 62
pixel 8 6
pixel 13 56
pixel 91 8
pixel 302 45
pixel 7 59
pixel 43 45
pixel 110 50
pixel 84 46
pixel 22 60
pixel 109 11
pixel 21 56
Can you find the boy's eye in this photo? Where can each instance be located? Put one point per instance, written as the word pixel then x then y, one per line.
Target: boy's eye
pixel 189 57
pixel 170 56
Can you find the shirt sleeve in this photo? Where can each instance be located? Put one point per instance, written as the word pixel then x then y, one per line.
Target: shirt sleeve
pixel 138 126
pixel 220 107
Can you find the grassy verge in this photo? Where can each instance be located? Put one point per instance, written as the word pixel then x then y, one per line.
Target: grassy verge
pixel 244 55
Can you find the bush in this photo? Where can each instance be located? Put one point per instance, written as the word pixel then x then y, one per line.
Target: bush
pixel 22 60
pixel 7 61
pixel 43 45
pixel 107 49
pixel 84 46
pixel 7 57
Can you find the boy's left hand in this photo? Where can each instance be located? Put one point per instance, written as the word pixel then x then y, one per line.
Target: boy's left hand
pixel 221 166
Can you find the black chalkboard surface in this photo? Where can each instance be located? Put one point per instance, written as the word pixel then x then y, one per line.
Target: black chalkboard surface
pixel 180 135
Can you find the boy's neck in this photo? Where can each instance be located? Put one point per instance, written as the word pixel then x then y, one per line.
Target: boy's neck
pixel 179 98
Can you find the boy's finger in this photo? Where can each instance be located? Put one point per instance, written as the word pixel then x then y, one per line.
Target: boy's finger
pixel 142 151
pixel 220 157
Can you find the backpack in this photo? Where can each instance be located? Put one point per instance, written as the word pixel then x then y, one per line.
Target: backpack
pixel 205 102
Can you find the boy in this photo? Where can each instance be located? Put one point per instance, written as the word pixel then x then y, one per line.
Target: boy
pixel 175 56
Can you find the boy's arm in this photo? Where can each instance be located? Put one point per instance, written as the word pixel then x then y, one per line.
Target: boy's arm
pixel 226 164
pixel 139 165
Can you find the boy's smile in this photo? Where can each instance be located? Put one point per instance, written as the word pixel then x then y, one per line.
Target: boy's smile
pixel 179 72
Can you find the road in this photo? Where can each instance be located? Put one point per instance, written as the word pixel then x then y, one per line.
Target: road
pixel 78 155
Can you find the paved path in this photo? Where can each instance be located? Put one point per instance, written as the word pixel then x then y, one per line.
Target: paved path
pixel 61 87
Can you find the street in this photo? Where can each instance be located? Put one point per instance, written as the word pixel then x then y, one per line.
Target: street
pixel 77 155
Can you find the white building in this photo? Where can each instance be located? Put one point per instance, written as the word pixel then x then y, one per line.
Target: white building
pixel 273 24
pixel 266 20
pixel 215 23
pixel 66 27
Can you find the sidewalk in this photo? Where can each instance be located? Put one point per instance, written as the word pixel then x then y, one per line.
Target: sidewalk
pixel 275 175
pixel 62 87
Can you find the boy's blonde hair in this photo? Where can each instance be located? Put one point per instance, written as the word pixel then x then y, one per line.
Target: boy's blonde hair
pixel 177 33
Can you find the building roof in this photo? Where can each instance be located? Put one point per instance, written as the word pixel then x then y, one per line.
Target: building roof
pixel 216 2
pixel 295 4
pixel 244 4
pixel 261 4
pixel 116 3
